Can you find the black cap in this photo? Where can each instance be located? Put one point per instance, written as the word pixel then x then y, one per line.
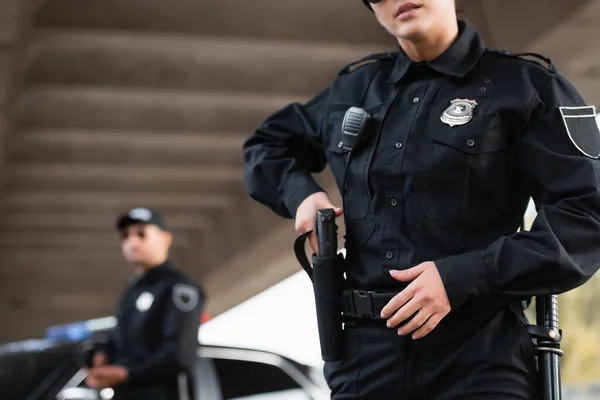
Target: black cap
pixel 141 215
pixel 368 4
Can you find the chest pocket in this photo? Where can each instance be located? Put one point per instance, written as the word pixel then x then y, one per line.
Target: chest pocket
pixel 459 170
pixel 358 196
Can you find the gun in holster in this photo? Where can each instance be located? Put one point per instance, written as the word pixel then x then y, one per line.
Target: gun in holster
pixel 327 275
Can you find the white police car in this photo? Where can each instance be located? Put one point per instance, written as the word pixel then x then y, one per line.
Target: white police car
pixel 50 369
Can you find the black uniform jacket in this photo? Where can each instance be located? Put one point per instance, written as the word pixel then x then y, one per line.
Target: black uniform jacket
pixel 156 337
pixel 423 189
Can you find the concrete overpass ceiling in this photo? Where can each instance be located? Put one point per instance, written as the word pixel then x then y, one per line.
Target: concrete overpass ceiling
pixel 135 102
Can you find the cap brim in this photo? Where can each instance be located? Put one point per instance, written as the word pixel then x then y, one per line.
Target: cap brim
pixel 126 221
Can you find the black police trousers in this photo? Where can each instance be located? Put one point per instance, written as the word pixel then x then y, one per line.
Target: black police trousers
pixel 487 356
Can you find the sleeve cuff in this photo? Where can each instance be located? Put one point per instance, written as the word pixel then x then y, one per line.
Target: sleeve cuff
pixel 296 189
pixel 463 275
pixel 133 374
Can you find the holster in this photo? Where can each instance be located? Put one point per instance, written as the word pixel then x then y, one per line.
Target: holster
pixel 327 275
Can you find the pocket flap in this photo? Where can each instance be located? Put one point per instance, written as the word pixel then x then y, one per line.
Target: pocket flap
pixel 482 135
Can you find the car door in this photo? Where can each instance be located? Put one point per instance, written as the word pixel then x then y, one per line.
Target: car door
pixel 243 374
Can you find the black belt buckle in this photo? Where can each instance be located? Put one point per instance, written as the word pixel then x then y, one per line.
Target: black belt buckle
pixel 362 302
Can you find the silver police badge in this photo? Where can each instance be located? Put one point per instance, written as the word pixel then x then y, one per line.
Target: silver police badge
pixel 144 302
pixel 459 113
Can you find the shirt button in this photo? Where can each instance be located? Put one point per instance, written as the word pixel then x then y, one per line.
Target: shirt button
pixel 398 145
pixel 341 144
pixel 416 100
pixel 470 143
pixel 394 202
pixel 389 254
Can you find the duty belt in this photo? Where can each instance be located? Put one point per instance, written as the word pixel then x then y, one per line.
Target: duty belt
pixel 364 303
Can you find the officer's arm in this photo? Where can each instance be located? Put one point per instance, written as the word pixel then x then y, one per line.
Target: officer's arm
pixel 179 337
pixel 562 249
pixel 283 152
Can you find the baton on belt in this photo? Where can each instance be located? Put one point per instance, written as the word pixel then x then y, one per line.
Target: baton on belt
pixel 327 275
pixel 548 335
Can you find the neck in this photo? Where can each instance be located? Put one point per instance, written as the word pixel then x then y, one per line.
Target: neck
pixel 433 45
pixel 142 268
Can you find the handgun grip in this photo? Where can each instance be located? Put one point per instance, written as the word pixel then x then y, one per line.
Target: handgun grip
pixel 326 232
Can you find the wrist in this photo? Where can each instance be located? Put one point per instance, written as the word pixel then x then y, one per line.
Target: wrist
pixel 124 374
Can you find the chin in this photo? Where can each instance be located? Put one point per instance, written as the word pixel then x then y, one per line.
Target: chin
pixel 134 260
pixel 413 30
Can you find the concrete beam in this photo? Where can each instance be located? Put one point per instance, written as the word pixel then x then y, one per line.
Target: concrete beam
pixel 195 149
pixel 93 258
pixel 55 175
pixel 33 239
pixel 125 108
pixel 513 24
pixel 10 21
pixel 58 276
pixel 77 201
pixel 131 59
pixel 100 220
pixel 7 60
pixel 574 47
pixel 313 20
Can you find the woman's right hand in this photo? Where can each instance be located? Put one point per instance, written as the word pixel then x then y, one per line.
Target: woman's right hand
pixel 306 216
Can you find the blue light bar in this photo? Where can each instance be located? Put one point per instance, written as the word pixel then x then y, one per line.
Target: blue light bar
pixel 71 332
pixel 78 331
pixel 24 346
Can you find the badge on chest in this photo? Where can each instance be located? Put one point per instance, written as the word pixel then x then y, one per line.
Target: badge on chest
pixel 459 113
pixel 144 301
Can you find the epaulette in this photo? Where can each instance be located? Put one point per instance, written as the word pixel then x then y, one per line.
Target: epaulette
pixel 373 58
pixel 532 57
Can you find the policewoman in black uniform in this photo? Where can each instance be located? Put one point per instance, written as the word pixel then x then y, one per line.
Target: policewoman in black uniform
pixel 461 138
pixel 153 347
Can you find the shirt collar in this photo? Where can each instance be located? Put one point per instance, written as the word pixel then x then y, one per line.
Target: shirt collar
pixel 152 272
pixel 456 61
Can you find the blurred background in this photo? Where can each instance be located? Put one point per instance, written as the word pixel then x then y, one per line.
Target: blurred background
pixel 111 104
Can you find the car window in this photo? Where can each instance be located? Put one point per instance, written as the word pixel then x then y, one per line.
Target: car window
pixel 248 380
pixel 25 373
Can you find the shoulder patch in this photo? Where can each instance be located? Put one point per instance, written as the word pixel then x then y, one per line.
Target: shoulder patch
pixel 582 128
pixel 185 297
pixel 532 57
pixel 366 61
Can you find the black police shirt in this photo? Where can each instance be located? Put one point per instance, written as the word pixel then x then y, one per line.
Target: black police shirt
pixel 458 147
pixel 156 336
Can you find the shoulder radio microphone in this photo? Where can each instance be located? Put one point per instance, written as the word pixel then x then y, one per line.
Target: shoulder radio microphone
pixel 355 128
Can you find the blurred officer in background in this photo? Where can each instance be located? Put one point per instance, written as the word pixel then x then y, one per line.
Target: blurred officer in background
pixel 460 137
pixel 153 347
